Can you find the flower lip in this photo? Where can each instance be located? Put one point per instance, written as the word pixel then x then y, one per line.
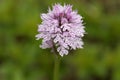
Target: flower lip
pixel 62 18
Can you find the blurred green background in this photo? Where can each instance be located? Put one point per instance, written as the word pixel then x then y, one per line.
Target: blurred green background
pixel 22 59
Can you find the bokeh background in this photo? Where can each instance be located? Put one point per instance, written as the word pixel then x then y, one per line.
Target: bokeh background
pixel 22 59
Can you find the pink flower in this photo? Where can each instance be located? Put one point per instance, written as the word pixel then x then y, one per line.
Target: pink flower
pixel 61 27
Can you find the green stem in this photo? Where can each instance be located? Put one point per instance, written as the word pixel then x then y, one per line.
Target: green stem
pixel 56 67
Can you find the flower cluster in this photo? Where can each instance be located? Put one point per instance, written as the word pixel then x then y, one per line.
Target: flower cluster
pixel 61 27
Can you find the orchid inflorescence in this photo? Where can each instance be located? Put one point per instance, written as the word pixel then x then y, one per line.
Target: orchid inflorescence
pixel 62 28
